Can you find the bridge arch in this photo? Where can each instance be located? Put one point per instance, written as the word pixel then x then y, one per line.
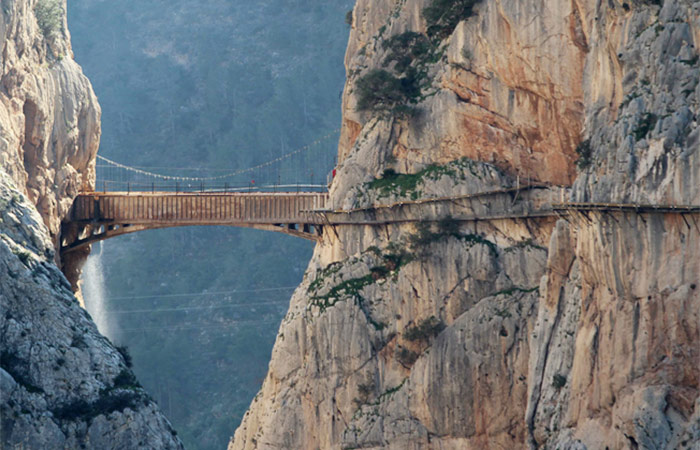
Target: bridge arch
pixel 103 215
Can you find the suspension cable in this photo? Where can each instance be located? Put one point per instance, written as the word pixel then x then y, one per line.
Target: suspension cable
pixel 224 176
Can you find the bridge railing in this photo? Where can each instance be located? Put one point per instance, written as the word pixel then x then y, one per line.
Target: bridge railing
pixel 194 187
pixel 208 208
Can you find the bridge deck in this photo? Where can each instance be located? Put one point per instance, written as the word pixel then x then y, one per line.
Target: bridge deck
pixel 105 215
pixel 302 214
pixel 216 208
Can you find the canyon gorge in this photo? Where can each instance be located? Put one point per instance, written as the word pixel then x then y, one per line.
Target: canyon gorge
pixel 454 316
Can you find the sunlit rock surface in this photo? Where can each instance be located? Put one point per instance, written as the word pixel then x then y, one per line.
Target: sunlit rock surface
pixel 577 333
pixel 62 384
pixel 49 115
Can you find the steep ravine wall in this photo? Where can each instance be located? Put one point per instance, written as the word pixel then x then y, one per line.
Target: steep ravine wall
pixel 49 114
pixel 573 333
pixel 62 384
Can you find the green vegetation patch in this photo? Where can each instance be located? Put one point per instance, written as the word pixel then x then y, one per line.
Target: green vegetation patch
pixel 514 289
pixel 125 392
pixel 425 236
pixel 366 390
pixel 126 380
pixel 397 183
pixel 406 357
pixel 393 90
pixel 527 243
pixel 645 125
pixel 347 289
pixel 49 16
pixel 380 91
pixel 443 16
pixel 558 381
pixel 585 154
pixel 323 275
pixel 408 49
pixel 425 330
pixel 391 261
pixel 124 351
pixel 692 61
pixel 406 185
pixel 396 256
pixel 391 391
pixel 107 403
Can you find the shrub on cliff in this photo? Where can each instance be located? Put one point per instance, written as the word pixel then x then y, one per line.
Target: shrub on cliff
pixel 442 16
pixel 107 403
pixel 49 16
pixel 124 351
pixel 585 154
pixel 392 91
pixel 424 330
pixel 381 92
pixel 406 357
pixel 406 49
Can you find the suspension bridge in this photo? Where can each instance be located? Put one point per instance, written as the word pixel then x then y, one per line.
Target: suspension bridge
pixel 145 199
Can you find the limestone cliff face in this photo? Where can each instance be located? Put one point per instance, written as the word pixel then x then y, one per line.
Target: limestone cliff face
pixel 574 333
pixel 49 115
pixel 62 384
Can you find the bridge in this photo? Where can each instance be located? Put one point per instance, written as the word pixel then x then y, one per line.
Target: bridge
pixel 109 214
pixel 292 208
pixel 304 214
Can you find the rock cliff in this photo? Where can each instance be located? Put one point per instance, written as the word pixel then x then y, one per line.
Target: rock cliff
pixel 428 329
pixel 49 114
pixel 62 384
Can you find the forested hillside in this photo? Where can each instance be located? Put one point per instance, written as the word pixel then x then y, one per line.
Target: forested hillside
pixel 202 87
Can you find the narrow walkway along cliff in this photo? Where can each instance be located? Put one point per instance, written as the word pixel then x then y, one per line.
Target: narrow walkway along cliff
pixel 580 332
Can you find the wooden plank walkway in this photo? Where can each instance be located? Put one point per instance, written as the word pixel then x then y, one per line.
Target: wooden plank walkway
pixel 198 208
pixel 304 214
pixel 112 214
pixel 626 207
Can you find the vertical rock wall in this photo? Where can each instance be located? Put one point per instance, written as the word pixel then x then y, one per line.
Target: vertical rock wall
pixel 62 384
pixel 580 333
pixel 49 115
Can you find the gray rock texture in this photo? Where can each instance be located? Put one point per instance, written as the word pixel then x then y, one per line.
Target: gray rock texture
pixel 62 384
pixel 542 333
pixel 49 115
